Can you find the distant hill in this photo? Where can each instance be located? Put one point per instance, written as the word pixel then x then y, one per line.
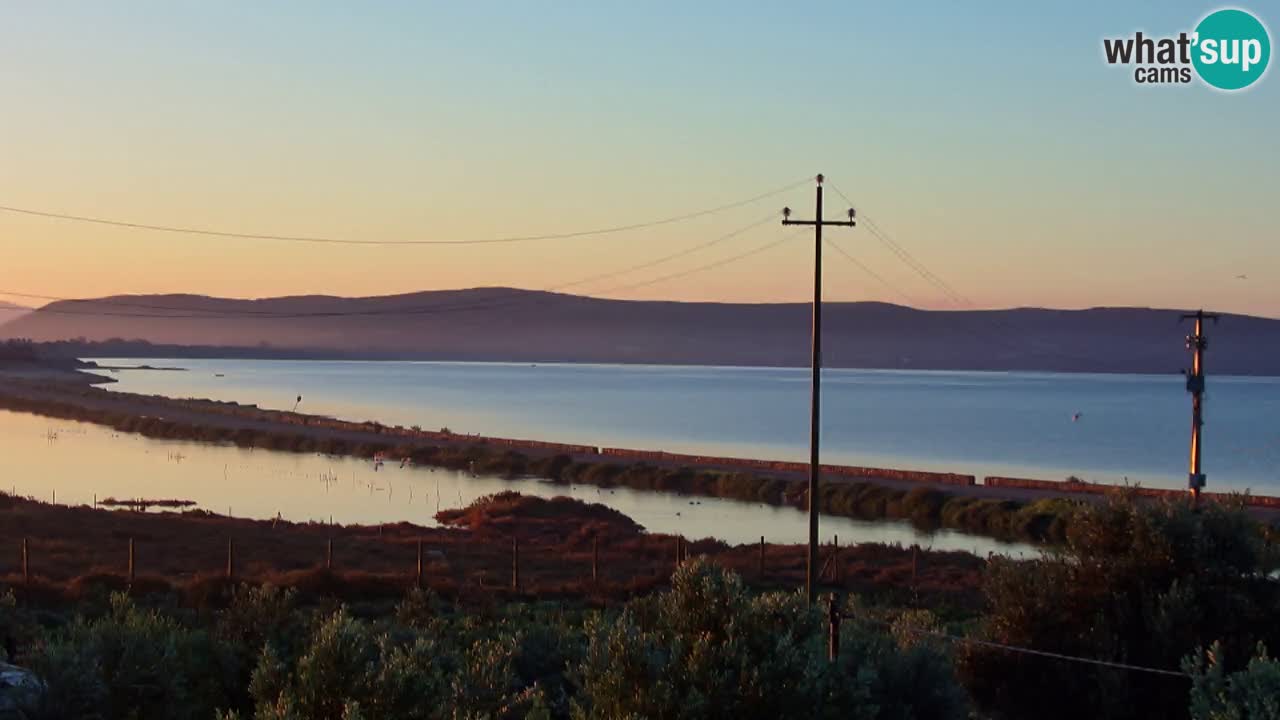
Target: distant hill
pixel 10 312
pixel 527 326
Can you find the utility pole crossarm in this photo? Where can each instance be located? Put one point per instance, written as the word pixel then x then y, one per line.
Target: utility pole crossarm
pixel 811 573
pixel 841 223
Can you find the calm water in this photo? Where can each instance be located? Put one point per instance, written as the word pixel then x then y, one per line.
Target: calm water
pixel 45 458
pixel 1129 426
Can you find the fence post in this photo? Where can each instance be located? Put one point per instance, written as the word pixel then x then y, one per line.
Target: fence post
pixel 915 560
pixel 835 559
pixel 419 578
pixel 760 567
pixel 833 623
pixel 231 559
pixel 595 560
pixel 515 563
pixel 131 565
pixel 328 554
pixel 26 568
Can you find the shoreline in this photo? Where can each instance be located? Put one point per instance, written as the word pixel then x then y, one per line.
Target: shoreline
pixel 1003 508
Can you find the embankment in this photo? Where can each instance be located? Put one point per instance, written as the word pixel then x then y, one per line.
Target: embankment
pixel 1004 508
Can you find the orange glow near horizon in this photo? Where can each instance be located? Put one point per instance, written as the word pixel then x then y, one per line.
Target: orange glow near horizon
pixel 1059 185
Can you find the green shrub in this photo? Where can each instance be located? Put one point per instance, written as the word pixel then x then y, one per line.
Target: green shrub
pixel 1249 694
pixel 131 663
pixel 708 649
pixel 1138 582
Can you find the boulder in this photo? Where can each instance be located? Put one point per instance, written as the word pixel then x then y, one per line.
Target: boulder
pixel 20 690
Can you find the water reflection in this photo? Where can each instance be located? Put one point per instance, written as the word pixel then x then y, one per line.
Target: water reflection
pixel 78 461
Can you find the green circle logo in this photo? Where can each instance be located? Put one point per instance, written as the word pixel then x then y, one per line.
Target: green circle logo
pixel 1232 48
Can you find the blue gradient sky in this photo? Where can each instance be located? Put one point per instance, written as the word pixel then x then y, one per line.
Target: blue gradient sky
pixel 990 139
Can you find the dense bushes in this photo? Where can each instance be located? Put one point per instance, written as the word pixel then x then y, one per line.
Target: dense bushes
pixel 1136 582
pixel 1249 694
pixel 1148 585
pixel 131 663
pixel 708 649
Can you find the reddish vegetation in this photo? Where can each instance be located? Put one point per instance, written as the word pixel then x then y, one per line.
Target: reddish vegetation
pixel 75 550
pixel 560 520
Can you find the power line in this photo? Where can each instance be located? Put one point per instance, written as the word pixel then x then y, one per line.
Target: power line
pixel 428 309
pixel 350 241
pixel 915 264
pixel 954 296
pixel 872 273
pixel 672 256
pixel 907 258
pixel 1043 653
pixel 1025 650
pixel 709 266
pixel 672 276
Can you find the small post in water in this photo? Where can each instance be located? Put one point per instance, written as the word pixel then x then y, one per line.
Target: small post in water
pixel 760 567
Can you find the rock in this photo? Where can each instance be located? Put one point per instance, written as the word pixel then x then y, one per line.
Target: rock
pixel 20 690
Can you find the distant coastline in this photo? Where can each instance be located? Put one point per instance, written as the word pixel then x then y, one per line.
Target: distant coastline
pixel 140 350
pixel 512 325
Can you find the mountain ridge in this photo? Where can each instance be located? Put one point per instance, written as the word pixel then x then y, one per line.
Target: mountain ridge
pixel 498 323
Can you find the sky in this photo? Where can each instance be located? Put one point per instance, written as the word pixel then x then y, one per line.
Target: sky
pixel 988 139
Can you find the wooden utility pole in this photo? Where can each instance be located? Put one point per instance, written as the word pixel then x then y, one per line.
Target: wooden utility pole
pixel 1196 343
pixel 815 364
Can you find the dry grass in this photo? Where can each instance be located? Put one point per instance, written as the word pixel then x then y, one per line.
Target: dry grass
pixel 78 551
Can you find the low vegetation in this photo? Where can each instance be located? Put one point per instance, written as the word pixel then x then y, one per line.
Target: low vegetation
pixel 1148 610
pixel 705 648
pixel 79 552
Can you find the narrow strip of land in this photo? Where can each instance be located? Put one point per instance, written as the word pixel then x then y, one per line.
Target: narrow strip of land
pixel 1011 509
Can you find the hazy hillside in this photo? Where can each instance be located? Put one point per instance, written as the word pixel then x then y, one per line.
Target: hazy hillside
pixel 10 312
pixel 504 324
